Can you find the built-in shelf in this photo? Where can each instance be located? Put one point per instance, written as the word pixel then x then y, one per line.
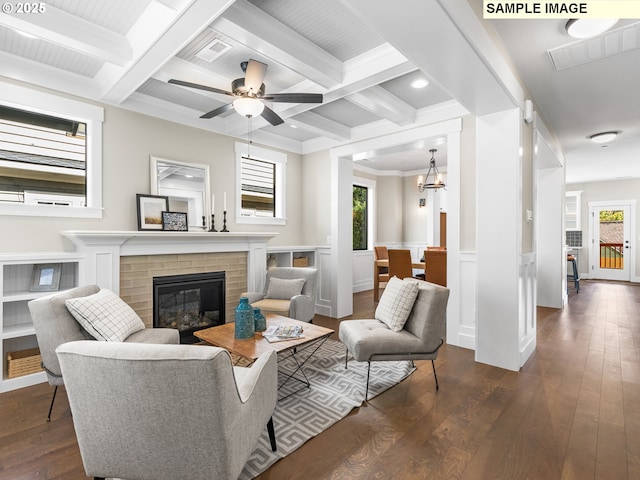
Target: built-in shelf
pixel 16 327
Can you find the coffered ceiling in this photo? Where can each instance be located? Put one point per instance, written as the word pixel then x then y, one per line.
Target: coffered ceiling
pixel 361 55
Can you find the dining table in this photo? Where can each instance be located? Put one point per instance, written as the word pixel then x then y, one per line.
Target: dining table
pixel 378 264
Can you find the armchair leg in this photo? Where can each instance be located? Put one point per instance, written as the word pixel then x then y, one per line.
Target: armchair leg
pixel 272 434
pixel 53 399
pixel 346 357
pixel 366 392
pixel 98 478
pixel 434 374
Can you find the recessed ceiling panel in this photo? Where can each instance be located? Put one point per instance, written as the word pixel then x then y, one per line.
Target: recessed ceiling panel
pixel 116 15
pixel 287 131
pixel 329 24
pixel 179 95
pixel 47 53
pixel 347 113
pixel 416 97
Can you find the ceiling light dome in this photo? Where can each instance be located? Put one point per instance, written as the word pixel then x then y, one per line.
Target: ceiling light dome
pixel 603 137
pixel 589 27
pixel 248 107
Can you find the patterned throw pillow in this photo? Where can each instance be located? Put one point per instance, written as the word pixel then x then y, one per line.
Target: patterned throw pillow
pixel 396 303
pixel 283 288
pixel 105 316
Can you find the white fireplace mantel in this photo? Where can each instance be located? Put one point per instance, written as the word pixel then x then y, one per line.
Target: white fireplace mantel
pixel 103 250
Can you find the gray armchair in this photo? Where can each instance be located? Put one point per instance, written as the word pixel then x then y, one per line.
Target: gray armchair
pixel 420 339
pixel 284 297
pixel 54 325
pixel 163 412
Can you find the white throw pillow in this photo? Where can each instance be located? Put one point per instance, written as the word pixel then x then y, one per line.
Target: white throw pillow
pixel 105 316
pixel 396 303
pixel 284 288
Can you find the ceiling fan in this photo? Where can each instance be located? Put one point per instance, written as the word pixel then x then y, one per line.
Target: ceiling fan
pixel 249 93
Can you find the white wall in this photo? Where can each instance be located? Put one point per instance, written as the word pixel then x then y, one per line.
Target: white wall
pixel 316 191
pixel 129 138
pixel 599 192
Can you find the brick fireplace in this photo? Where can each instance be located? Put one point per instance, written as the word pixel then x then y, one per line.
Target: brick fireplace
pixel 126 262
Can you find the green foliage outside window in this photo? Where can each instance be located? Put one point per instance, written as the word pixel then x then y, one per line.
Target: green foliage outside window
pixel 611 215
pixel 359 218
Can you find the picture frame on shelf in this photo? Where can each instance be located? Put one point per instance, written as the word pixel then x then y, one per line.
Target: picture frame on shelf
pixel 46 277
pixel 150 208
pixel 175 221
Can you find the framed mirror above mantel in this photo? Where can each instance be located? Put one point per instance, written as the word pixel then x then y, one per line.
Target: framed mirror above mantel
pixel 186 184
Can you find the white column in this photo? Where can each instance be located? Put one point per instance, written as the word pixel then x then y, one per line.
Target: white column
pixel 499 242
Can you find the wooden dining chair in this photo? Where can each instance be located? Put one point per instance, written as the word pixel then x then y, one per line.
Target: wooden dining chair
pixel 400 263
pixel 381 253
pixel 435 266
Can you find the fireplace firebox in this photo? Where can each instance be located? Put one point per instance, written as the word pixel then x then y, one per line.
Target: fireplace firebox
pixel 189 302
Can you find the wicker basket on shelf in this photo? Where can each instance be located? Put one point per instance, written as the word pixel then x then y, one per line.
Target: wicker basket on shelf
pixel 23 362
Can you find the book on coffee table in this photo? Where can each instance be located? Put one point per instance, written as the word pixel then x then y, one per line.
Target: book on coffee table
pixel 279 333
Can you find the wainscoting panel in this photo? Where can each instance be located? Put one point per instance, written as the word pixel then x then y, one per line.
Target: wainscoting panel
pixel 362 270
pixel 324 304
pixel 461 314
pixel 527 313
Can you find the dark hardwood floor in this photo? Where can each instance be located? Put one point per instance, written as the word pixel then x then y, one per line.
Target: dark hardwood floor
pixel 572 412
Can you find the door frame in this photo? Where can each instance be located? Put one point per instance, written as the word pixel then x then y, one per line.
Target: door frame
pixel 594 255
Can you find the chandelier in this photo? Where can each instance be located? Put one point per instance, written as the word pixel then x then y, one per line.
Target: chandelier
pixel 433 173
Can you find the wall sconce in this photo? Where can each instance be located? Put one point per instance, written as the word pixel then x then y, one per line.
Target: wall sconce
pixel 423 202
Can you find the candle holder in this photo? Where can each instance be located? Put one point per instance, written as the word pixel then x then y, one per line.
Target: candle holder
pixel 204 222
pixel 224 222
pixel 213 224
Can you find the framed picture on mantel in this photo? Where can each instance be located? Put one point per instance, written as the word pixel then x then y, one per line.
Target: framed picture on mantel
pixel 150 208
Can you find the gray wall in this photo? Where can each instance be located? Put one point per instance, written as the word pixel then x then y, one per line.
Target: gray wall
pixel 128 140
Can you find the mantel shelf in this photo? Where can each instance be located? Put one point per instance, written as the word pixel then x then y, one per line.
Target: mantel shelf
pixel 163 242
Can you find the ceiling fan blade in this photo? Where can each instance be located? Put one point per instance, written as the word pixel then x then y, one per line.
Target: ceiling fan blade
pixel 295 97
pixel 218 111
pixel 254 76
pixel 272 117
pixel 199 87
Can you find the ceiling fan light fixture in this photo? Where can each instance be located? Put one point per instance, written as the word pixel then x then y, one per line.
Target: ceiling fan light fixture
pixel 248 107
pixel 589 27
pixel 603 137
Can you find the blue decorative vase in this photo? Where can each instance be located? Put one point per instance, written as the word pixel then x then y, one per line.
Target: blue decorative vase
pixel 260 320
pixel 245 322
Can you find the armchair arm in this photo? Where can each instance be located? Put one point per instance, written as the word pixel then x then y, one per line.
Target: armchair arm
pixel 302 308
pixel 253 296
pixel 260 381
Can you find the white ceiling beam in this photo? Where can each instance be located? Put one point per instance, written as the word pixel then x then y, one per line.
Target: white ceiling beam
pixel 320 125
pixel 161 39
pixel 253 28
pixel 36 73
pixel 458 68
pixel 384 104
pixel 61 28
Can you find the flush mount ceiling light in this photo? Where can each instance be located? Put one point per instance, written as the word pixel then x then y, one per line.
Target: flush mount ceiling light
pixel 432 173
pixel 603 137
pixel 589 27
pixel 419 83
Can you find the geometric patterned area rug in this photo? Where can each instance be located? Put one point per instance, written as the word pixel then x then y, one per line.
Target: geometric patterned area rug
pixel 334 392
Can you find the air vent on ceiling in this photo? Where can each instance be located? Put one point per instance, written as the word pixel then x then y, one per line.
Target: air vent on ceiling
pixel 589 50
pixel 213 50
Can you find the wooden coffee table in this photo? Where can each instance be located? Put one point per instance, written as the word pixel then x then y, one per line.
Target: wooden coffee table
pixel 301 349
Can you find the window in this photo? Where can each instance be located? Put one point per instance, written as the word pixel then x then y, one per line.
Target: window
pixel 360 217
pixel 258 193
pixel 50 155
pixel 260 197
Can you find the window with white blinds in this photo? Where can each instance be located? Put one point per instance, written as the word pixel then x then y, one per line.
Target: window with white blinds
pixel 258 188
pixel 260 185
